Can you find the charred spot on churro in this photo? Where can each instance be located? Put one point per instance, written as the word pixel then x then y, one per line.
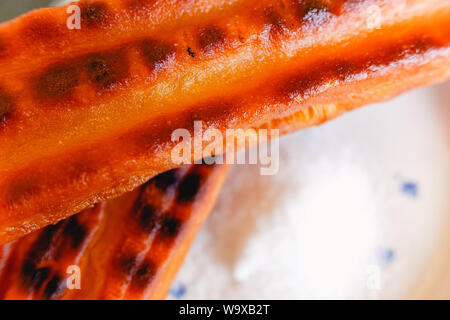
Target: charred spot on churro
pixel 32 276
pixel 415 45
pixel 143 275
pixel 57 81
pixel 421 44
pixel 107 69
pixel 211 37
pixel 148 218
pixel 94 14
pixel 53 287
pixel 40 276
pixel 305 82
pixel 345 69
pixel 166 179
pixel 75 231
pixel 390 53
pixel 157 53
pixel 27 271
pixel 170 226
pixel 127 262
pixel 43 243
pixel 189 187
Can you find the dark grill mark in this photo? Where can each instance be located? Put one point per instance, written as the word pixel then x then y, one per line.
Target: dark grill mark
pixel 104 70
pixel 170 226
pixel 40 276
pixel 345 69
pixel 42 244
pixel 127 263
pixel 75 231
pixel 6 106
pixel 397 51
pixel 156 53
pixel 166 179
pixel 57 81
pixel 319 74
pixel 189 187
pixel 94 14
pixel 147 218
pixel 52 288
pixel 211 37
pixel 107 69
pixel 30 274
pixel 305 83
pixel 27 271
pixel 143 275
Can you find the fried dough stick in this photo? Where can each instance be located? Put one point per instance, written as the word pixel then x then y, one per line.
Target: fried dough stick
pixel 127 248
pixel 88 114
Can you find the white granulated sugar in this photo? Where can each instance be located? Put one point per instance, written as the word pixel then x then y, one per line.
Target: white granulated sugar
pixel 311 236
pixel 284 227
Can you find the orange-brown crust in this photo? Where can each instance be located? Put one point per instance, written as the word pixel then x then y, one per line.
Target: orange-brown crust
pixel 91 115
pixel 127 248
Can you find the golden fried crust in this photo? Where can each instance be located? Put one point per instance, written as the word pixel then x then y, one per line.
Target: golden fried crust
pixel 87 114
pixel 127 248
